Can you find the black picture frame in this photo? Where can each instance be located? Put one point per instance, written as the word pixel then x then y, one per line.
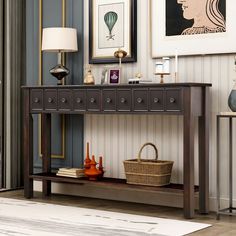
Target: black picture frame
pixel 133 38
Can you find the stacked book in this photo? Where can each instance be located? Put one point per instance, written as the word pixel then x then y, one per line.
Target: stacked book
pixel 71 172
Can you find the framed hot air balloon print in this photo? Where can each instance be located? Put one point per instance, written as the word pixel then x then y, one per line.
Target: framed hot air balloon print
pixel 112 25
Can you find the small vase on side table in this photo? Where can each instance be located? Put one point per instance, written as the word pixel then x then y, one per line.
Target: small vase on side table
pixel 232 99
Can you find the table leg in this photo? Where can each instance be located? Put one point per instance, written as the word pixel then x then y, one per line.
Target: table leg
pixel 188 166
pixel 46 151
pixel 28 147
pixel 203 142
pixel 230 165
pixel 218 165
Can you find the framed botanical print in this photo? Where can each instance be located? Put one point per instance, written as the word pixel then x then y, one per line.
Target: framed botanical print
pixel 112 25
pixel 193 27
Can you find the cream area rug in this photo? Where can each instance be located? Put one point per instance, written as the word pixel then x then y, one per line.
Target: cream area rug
pixel 26 218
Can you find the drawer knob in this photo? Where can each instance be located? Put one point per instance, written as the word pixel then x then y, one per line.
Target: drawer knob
pixel 156 100
pixel 63 100
pixel 36 100
pixel 50 100
pixel 109 100
pixel 172 100
pixel 79 100
pixel 92 100
pixel 139 100
pixel 122 100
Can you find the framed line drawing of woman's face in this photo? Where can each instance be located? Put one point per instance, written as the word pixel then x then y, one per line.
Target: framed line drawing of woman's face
pixel 195 17
pixel 192 27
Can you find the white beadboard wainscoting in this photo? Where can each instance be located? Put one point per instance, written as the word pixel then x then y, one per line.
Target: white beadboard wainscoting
pixel 119 137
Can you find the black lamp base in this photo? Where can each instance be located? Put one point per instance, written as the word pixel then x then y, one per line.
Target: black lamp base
pixel 59 71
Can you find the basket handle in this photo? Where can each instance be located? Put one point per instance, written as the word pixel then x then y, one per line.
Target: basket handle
pixel 144 145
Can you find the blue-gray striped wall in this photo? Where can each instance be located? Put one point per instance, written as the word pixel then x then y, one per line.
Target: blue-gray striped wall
pixel 50 14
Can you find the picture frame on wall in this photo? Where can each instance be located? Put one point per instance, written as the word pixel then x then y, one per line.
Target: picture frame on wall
pixel 192 27
pixel 112 25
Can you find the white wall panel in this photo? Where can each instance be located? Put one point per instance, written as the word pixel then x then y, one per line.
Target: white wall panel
pixel 120 137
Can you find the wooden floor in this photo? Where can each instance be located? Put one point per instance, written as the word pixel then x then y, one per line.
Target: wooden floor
pixel 225 227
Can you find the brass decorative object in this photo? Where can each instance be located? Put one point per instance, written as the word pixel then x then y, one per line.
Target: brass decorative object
pixel 120 54
pixel 162 76
pixel 89 78
pixel 138 76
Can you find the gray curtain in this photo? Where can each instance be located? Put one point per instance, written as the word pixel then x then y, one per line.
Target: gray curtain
pixel 13 72
pixel 1 96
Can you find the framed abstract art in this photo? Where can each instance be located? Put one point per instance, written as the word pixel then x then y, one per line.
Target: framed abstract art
pixel 193 27
pixel 112 25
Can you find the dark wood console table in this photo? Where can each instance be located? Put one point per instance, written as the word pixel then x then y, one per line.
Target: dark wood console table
pixel 188 99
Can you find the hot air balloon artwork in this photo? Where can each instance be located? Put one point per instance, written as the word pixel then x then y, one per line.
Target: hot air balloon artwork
pixel 110 19
pixel 112 25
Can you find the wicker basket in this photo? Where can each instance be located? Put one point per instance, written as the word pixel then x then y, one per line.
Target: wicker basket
pixel 148 172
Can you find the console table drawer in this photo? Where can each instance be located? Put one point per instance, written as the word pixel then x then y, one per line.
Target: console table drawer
pixel 109 100
pixel 140 99
pixel 124 99
pixel 173 99
pixel 50 99
pixel 65 99
pixel 93 100
pixel 79 100
pixel 156 100
pixel 36 100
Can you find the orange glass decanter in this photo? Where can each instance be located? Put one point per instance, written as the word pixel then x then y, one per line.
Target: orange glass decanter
pixel 100 168
pixel 87 160
pixel 92 172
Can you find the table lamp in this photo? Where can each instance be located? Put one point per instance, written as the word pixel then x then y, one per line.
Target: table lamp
pixel 59 40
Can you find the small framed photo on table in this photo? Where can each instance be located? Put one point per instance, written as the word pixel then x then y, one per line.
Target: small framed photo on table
pixel 114 75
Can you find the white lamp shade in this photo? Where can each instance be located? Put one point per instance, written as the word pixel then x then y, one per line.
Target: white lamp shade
pixel 59 39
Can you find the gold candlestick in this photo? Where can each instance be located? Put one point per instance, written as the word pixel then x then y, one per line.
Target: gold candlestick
pixel 162 76
pixel 120 54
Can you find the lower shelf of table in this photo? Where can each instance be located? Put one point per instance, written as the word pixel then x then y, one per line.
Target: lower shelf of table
pixel 110 183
